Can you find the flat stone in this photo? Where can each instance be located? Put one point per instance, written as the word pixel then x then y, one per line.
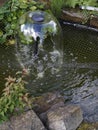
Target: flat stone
pixel 65 118
pixel 77 16
pixel 72 15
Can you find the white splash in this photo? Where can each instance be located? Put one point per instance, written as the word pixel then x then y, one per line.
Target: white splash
pixel 28 30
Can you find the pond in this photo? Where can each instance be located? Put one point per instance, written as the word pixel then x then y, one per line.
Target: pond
pixel 77 79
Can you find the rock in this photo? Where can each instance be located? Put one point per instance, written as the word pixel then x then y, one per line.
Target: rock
pixel 26 121
pixel 6 126
pixel 88 126
pixel 64 118
pixel 77 16
pixel 43 116
pixel 94 21
pixel 45 102
pixel 72 15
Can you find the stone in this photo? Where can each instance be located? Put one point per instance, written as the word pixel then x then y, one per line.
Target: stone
pixel 26 121
pixel 46 101
pixel 43 116
pixel 65 118
pixel 77 16
pixel 88 126
pixel 6 126
pixel 94 21
pixel 72 15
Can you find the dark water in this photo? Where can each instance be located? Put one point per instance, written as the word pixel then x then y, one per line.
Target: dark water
pixel 77 79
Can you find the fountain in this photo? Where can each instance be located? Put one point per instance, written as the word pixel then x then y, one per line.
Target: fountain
pixel 39 42
pixel 77 78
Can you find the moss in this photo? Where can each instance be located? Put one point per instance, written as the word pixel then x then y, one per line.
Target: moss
pixel 88 126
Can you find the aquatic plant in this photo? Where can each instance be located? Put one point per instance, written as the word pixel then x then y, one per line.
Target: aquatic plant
pixel 14 98
pixel 10 12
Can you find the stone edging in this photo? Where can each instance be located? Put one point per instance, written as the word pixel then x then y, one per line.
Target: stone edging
pixel 78 16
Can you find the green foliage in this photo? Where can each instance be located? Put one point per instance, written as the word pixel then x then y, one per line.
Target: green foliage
pixel 73 3
pixel 56 5
pixel 14 98
pixel 10 13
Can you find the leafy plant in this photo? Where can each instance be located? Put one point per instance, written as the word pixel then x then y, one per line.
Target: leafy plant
pixel 73 3
pixel 14 98
pixel 56 5
pixel 9 15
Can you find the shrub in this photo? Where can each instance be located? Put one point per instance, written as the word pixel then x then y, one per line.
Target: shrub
pixel 14 98
pixel 10 12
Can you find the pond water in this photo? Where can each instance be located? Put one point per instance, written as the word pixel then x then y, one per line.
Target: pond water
pixel 77 79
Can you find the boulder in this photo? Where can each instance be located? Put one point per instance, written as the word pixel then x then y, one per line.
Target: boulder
pixel 43 116
pixel 46 101
pixel 65 118
pixel 26 121
pixel 6 126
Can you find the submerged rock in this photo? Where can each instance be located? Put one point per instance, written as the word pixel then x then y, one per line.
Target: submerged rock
pixel 46 101
pixel 64 118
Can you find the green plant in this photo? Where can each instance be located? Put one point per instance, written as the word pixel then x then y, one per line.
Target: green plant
pixel 73 3
pixel 9 15
pixel 14 98
pixel 56 5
